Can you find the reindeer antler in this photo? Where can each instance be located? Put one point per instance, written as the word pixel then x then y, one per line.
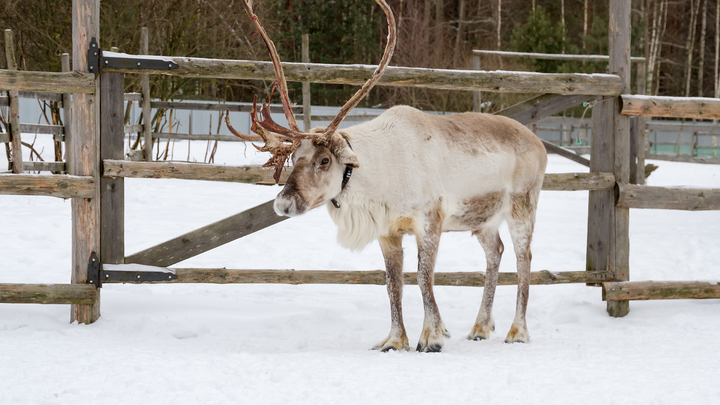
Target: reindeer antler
pixel 281 142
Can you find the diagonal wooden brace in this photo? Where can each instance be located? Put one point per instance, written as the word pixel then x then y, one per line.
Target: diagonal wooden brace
pixel 209 237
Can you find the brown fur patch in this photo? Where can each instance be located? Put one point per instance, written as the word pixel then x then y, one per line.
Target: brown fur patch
pixel 523 205
pixel 402 226
pixel 477 211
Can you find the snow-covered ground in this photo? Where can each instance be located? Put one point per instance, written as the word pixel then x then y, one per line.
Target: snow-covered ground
pixel 284 344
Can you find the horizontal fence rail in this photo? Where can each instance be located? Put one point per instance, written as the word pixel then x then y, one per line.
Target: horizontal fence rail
pixel 659 290
pixel 374 277
pixel 676 107
pixel 56 82
pixel 441 79
pixel 263 175
pixel 670 198
pixel 62 186
pixel 80 294
pixel 553 56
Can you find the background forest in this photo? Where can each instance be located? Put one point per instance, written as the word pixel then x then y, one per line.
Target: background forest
pixel 678 37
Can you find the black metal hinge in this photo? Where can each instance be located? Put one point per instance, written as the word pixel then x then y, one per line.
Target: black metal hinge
pixel 125 273
pixel 97 59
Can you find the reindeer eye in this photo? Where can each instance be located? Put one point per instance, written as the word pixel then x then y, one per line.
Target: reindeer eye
pixel 325 161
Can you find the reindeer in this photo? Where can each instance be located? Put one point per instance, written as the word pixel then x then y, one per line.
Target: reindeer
pixel 408 172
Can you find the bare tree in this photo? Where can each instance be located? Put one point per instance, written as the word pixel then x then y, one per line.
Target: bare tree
pixel 690 43
pixel 703 30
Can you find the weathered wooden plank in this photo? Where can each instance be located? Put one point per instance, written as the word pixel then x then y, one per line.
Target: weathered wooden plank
pixel 42 95
pixel 85 151
pixel 42 129
pixel 209 237
pixel 66 82
pixel 659 290
pixel 578 181
pixel 67 110
pixel 376 277
pixel 190 171
pixel 566 153
pixel 553 56
pixel 690 199
pixel 146 103
pixel 702 128
pixel 112 190
pixel 44 166
pixel 545 105
pixel 619 51
pixel 129 129
pixel 80 294
pixel 133 97
pixel 5 137
pixel 47 185
pixel 184 105
pixel 14 110
pixel 679 107
pixel 441 79
pixel 197 137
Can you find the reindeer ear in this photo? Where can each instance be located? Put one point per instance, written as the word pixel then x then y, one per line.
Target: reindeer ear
pixel 340 147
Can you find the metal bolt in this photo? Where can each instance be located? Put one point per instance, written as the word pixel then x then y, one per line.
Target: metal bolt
pixel 93 45
pixel 138 276
pixel 95 54
pixel 91 68
pixel 107 61
pixel 170 65
pixel 138 64
pixel 107 276
pixel 170 277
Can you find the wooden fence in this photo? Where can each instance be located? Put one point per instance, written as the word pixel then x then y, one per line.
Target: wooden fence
pixel 97 171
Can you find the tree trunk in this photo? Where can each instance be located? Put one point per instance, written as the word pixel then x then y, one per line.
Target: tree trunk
pixel 701 66
pixel 499 24
pixel 458 39
pixel 690 44
pixel 562 23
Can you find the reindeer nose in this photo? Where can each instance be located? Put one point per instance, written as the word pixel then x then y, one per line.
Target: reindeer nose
pixel 284 206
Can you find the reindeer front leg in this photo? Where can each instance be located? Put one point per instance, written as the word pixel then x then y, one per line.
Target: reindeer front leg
pixel 391 247
pixel 428 239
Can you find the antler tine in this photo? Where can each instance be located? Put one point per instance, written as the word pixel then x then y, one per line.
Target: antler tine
pixel 282 84
pixel 240 135
pixel 365 89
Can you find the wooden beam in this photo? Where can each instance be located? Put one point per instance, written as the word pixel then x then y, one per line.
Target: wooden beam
pixel 44 166
pixel 14 110
pixel 78 294
pixel 85 151
pixel 42 95
pixel 375 277
pixel 61 186
pixel 67 110
pixel 685 158
pixel 190 171
pixel 678 107
pixel 263 175
pixel 690 199
pixel 659 290
pixel 70 82
pixel 197 137
pixel 184 105
pixel 553 56
pixel 566 153
pixel 42 129
pixel 112 190
pixel 579 181
pixel 209 237
pixel 545 105
pixel 441 79
pixel 146 103
pixel 619 51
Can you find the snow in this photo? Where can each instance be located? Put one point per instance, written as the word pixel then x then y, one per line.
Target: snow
pixel 309 344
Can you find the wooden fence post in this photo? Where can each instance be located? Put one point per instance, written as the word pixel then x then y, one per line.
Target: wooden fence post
pixel 146 109
pixel 15 137
pixel 84 150
pixel 307 122
pixel 112 190
pixel 67 111
pixel 619 46
pixel 641 126
pixel 477 96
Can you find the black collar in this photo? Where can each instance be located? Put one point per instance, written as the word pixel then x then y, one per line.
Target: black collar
pixel 346 178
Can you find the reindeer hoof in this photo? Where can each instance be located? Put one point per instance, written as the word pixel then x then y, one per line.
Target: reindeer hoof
pixel 392 343
pixel 431 348
pixel 518 334
pixel 481 331
pixel 432 339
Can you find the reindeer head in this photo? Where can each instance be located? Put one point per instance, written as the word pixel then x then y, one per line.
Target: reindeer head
pixel 322 157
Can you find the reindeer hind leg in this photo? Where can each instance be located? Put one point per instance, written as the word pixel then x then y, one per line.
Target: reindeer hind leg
pixel 492 245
